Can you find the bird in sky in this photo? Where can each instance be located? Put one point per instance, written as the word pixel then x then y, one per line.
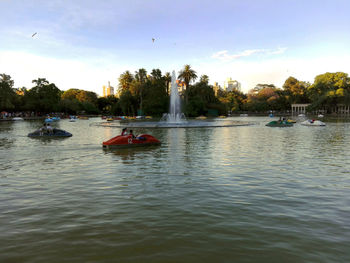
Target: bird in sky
pixel 153 40
pixel 34 34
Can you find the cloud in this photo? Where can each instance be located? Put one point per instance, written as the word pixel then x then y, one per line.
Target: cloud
pixel 225 56
pixel 277 51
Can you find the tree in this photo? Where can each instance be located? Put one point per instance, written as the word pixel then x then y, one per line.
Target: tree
pixel 268 98
pixel 40 82
pixel 44 97
pixel 6 79
pixel 295 90
pixel 141 75
pixel 330 81
pixel 87 96
pixel 7 93
pixel 187 75
pixel 70 94
pixel 204 79
pixel 80 100
pixel 156 100
pixel 202 100
pixel 156 74
pixel 19 101
pixel 329 89
pixel 127 103
pixel 233 100
pixel 71 106
pixel 167 78
pixel 125 80
pixel 89 107
pixel 107 104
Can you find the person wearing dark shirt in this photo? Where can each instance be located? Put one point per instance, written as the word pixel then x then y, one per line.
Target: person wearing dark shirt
pixel 131 133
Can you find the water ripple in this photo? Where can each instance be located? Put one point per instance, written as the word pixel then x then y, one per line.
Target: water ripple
pixel 233 194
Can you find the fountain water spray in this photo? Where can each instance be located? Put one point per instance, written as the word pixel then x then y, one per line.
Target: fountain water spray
pixel 175 115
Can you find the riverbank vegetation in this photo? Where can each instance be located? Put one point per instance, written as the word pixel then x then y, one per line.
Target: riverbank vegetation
pixel 148 94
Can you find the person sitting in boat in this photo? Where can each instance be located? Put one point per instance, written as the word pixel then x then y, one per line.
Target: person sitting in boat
pixel 124 132
pixel 49 128
pixel 132 134
pixel 43 129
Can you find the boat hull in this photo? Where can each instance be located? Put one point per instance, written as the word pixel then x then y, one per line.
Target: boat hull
pixel 127 141
pixel 57 133
pixel 279 124
pixel 313 123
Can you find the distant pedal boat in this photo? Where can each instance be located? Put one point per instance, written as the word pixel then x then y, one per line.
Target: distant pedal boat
pixel 73 118
pixel 56 133
pixel 313 123
pixel 279 124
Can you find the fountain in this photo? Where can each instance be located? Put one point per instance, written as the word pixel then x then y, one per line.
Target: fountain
pixel 175 116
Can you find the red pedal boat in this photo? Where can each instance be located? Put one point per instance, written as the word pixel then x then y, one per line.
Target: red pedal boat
pixel 125 141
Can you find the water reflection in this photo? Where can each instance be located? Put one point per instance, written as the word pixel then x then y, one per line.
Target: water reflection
pixel 213 192
pixel 131 153
pixel 110 132
pixel 6 143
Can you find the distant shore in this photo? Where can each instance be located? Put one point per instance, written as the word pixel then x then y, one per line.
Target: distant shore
pixel 255 114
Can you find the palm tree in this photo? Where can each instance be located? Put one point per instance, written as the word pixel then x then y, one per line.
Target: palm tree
pixel 125 80
pixel 156 74
pixel 40 82
pixel 141 75
pixel 204 79
pixel 6 79
pixel 187 75
pixel 167 78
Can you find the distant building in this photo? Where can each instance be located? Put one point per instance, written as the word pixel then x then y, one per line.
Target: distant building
pixel 299 108
pixel 181 87
pixel 107 91
pixel 20 92
pixel 231 85
pixel 110 90
pixel 216 88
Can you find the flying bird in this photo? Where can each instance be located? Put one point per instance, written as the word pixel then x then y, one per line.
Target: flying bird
pixel 34 34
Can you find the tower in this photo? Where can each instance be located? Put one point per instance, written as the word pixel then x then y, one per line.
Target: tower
pixel 110 89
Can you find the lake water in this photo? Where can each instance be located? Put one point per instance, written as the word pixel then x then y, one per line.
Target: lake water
pixel 232 194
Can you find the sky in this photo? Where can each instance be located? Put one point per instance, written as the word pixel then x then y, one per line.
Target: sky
pixel 84 44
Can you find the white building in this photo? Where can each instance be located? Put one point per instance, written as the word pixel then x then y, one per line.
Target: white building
pixel 230 85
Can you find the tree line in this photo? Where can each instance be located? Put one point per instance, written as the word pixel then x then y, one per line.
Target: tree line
pixel 148 94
